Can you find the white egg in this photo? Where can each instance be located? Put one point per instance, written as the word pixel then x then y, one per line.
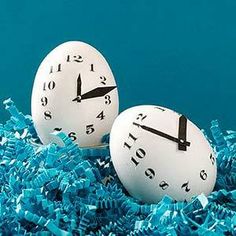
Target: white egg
pixel 75 92
pixel 156 151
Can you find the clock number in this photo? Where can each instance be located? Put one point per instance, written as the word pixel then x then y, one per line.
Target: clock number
pixel 51 85
pixel 164 185
pixel 89 129
pixel 103 78
pixel 57 70
pixel 186 187
pixel 100 116
pixel 77 58
pixel 133 141
pixel 150 173
pixel 107 99
pixel 203 175
pixel 141 116
pixel 212 158
pixel 160 108
pixel 140 153
pixel 71 135
pixel 47 115
pixel 44 101
pixel 91 68
pixel 58 129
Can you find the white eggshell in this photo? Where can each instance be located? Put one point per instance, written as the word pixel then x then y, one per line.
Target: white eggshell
pixel 56 86
pixel 150 166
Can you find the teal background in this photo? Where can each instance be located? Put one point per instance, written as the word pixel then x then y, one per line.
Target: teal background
pixel 179 54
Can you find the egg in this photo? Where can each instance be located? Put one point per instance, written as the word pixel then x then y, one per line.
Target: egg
pixel 157 151
pixel 74 92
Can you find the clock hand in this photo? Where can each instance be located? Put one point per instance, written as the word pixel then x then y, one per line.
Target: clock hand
pixel 164 135
pixel 97 92
pixel 78 99
pixel 182 132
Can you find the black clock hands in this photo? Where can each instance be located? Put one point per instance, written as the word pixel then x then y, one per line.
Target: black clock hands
pixel 164 135
pixel 182 132
pixel 97 92
pixel 79 83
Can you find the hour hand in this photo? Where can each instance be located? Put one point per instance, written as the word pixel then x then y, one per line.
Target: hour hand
pixel 79 83
pixel 97 92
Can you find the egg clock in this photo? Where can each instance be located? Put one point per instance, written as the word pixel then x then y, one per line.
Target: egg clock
pixel 156 151
pixel 75 92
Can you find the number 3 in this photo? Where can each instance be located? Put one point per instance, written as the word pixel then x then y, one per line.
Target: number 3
pixel 107 100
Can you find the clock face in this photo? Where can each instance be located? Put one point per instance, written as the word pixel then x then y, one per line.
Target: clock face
pixel 156 151
pixel 74 92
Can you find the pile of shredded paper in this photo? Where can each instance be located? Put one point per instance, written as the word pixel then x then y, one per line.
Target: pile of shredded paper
pixel 68 190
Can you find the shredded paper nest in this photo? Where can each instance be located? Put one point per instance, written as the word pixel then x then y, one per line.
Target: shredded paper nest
pixel 68 190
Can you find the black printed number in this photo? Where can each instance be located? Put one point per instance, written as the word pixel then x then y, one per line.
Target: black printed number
pixel 129 143
pixel 150 173
pixel 47 115
pixel 44 101
pixel 212 158
pixel 164 185
pixel 103 80
pixel 203 174
pixel 185 187
pixel 160 108
pixel 89 129
pixel 107 99
pixel 141 116
pixel 140 154
pixel 100 116
pixel 50 85
pixel 55 69
pixel 71 135
pixel 76 58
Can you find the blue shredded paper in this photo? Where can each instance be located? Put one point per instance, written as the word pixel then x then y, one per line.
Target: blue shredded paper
pixel 68 190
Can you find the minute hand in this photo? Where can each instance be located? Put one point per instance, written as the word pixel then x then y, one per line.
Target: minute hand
pixel 97 92
pixel 164 135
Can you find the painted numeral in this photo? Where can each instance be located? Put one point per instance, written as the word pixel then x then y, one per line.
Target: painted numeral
pixel 44 101
pixel 71 135
pixel 103 80
pixel 185 187
pixel 141 116
pixel 140 154
pixel 76 58
pixel 164 185
pixel 58 129
pixel 100 116
pixel 212 158
pixel 91 68
pixel 89 129
pixel 129 144
pixel 47 115
pixel 203 174
pixel 107 99
pixel 57 69
pixel 50 85
pixel 160 108
pixel 150 173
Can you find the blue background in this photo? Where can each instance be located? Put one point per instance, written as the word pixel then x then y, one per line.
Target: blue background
pixel 179 54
